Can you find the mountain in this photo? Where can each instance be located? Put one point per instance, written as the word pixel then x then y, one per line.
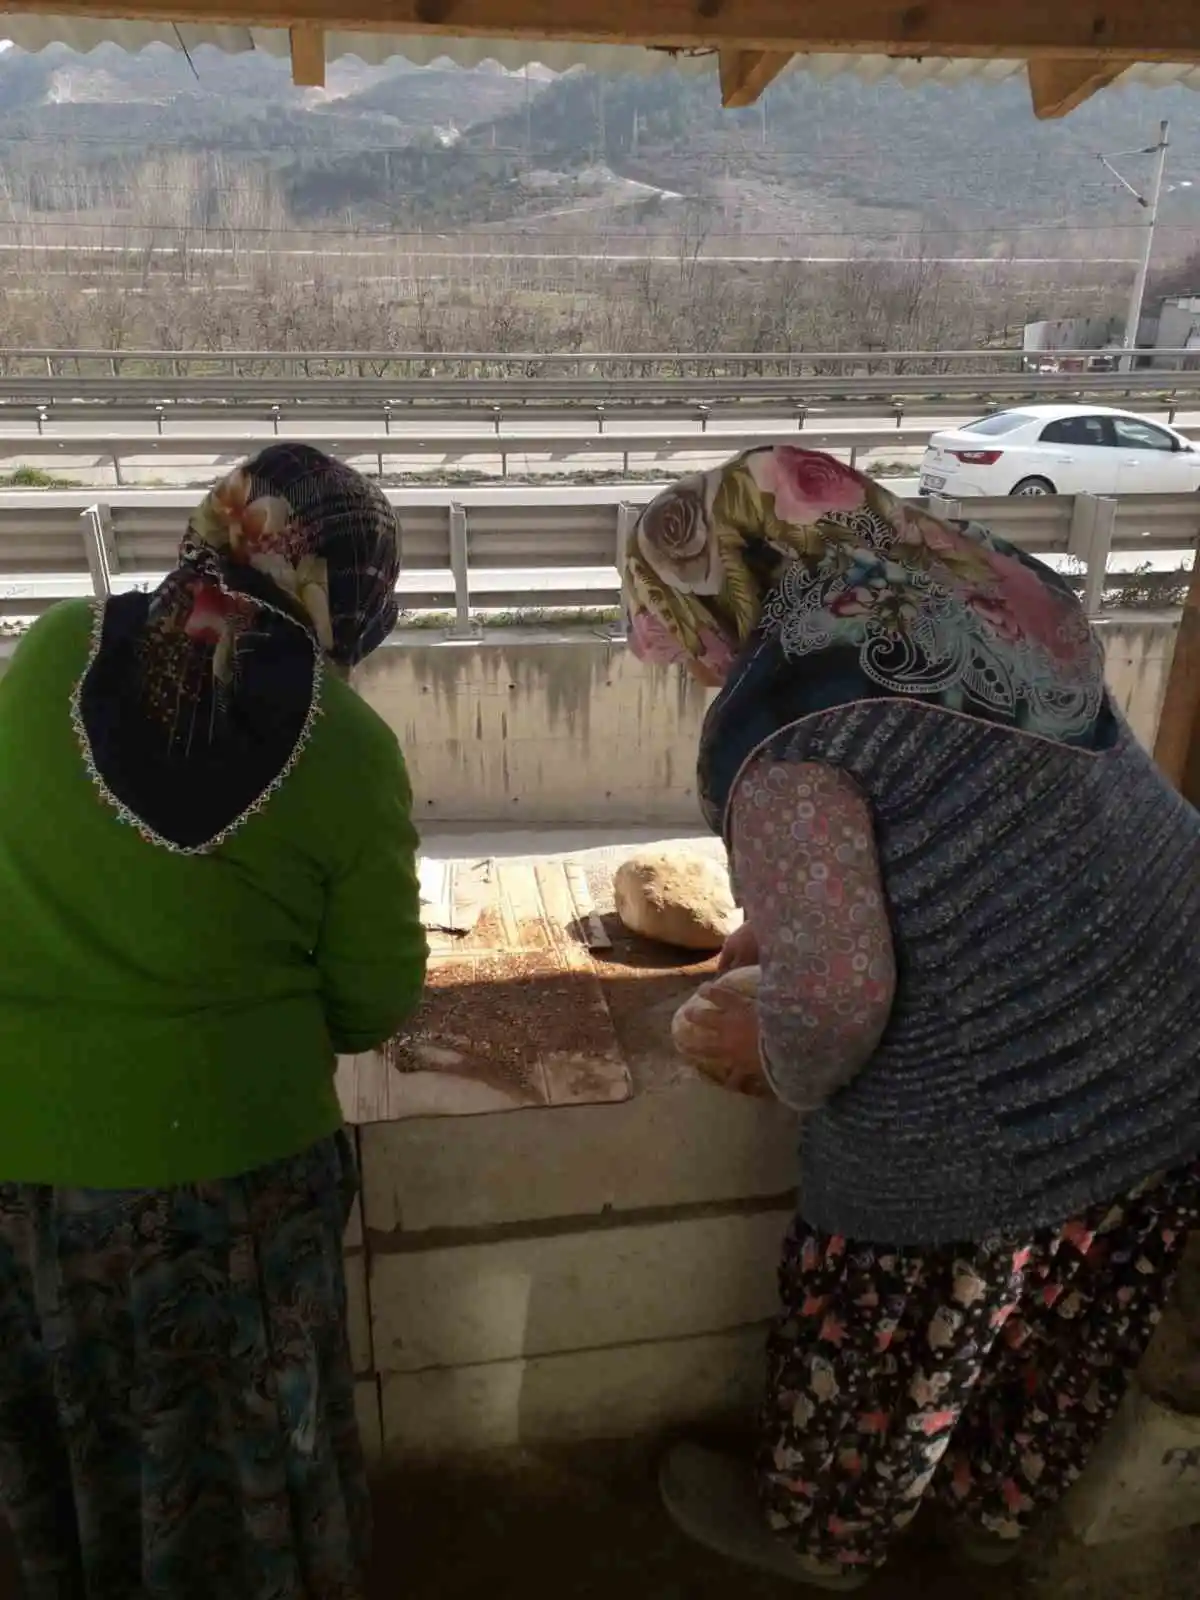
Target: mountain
pixel 824 154
pixel 211 100
pixel 397 146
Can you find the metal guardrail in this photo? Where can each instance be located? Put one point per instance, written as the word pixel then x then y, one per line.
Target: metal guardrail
pixel 494 549
pixel 106 447
pixel 50 446
pixel 497 415
pixel 675 360
pixel 885 387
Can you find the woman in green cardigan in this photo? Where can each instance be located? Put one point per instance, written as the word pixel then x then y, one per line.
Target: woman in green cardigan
pixel 208 890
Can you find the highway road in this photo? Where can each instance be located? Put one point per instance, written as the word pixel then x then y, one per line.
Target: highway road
pixel 469 446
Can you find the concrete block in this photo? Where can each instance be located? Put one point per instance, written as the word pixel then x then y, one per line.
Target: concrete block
pixel 590 1394
pixel 352 1239
pixel 1144 1478
pixel 689 1144
pixel 369 1417
pixel 358 1313
pixel 1138 652
pixel 465 1305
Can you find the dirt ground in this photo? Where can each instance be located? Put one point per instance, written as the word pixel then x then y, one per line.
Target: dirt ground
pixel 585 1524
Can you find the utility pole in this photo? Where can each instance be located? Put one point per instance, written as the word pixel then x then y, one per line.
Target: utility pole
pixel 528 122
pixel 1149 204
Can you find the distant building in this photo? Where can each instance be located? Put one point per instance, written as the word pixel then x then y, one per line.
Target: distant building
pixel 1177 326
pixel 1174 325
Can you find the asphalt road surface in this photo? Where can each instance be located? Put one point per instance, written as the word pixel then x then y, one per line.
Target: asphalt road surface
pixel 469 447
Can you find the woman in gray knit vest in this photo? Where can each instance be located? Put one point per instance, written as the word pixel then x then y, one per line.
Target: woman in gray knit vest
pixel 976 908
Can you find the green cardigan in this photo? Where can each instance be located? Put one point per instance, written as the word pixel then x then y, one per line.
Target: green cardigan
pixel 168 1018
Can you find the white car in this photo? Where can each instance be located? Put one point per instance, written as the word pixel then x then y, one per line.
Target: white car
pixel 1060 450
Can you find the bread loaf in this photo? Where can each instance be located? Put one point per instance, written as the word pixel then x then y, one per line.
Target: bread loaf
pixel 678 897
pixel 694 1043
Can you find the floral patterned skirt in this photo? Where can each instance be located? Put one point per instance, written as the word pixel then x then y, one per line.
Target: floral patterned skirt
pixel 176 1399
pixel 982 1375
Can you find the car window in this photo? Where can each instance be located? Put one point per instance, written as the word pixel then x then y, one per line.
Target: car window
pixel 999 422
pixel 1076 430
pixel 1134 435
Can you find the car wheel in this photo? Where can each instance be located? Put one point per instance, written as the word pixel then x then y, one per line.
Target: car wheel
pixel 1033 486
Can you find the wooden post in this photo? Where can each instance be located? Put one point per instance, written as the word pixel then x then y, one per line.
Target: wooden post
pixel 1058 86
pixel 1177 747
pixel 307 44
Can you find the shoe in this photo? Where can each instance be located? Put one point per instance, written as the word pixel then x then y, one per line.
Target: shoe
pixel 712 1498
pixel 985 1549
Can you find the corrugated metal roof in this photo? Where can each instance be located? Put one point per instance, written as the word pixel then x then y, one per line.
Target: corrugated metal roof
pixel 36 32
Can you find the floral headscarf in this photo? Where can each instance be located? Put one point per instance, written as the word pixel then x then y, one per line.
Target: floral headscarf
pixel 802 585
pixel 198 699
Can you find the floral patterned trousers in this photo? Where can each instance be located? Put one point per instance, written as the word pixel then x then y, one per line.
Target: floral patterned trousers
pixel 980 1375
pixel 176 1397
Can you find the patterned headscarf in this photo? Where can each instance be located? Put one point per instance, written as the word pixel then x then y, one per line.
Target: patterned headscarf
pixel 801 585
pixel 199 698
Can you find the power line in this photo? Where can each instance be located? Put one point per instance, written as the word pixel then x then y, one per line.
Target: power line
pixel 454 234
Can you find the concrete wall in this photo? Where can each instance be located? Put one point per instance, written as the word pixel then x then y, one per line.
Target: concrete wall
pixel 564 727
pixel 539 727
pixel 1068 333
pixel 589 1272
pixel 527 726
pixel 1138 651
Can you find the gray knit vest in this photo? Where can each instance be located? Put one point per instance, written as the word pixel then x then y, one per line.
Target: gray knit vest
pixel 1043 1052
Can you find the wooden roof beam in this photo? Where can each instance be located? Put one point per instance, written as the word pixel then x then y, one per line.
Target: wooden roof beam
pixel 1117 30
pixel 307 44
pixel 1059 85
pixel 746 73
pixel 1177 747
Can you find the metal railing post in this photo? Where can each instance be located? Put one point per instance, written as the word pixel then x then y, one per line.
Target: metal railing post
pixel 95 524
pixel 627 516
pixel 460 571
pixel 948 510
pixel 1093 519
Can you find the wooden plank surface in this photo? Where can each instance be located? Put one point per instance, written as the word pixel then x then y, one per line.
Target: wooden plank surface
pixel 515 1014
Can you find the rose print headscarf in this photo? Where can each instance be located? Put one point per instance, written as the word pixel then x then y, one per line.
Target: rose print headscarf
pixel 199 697
pixel 803 585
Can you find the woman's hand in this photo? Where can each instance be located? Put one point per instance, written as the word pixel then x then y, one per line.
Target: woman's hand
pixel 731 1056
pixel 739 950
